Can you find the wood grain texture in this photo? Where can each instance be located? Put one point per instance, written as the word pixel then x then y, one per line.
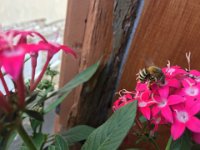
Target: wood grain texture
pixel 166 31
pixel 97 94
pixel 74 37
pixel 97 44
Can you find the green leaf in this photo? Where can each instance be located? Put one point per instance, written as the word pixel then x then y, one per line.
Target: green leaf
pixel 39 140
pixel 111 134
pixel 10 139
pixel 60 143
pixel 76 134
pixel 35 124
pixel 51 147
pixel 32 97
pixel 78 79
pixel 34 114
pixel 183 143
pixel 142 119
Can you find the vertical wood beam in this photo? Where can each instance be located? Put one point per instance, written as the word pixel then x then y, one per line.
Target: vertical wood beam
pixel 97 44
pixel 76 20
pixel 166 31
pixel 96 95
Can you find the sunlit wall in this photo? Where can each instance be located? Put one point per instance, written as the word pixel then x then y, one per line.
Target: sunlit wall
pixel 16 11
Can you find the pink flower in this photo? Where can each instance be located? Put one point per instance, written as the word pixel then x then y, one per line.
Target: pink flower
pixel 173 71
pixel 191 89
pixel 172 82
pixel 184 118
pixel 144 103
pixel 122 101
pixel 11 56
pixel 158 120
pixel 23 35
pixel 49 47
pixel 164 100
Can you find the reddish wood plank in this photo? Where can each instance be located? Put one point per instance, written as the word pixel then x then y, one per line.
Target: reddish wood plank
pixel 166 31
pixel 76 20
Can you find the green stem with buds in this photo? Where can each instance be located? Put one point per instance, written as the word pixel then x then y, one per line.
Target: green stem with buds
pixel 26 138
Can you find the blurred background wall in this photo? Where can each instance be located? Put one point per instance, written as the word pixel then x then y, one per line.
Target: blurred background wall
pixel 16 11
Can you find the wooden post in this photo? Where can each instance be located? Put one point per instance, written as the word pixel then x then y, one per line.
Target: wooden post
pixel 166 31
pixel 97 44
pixel 96 95
pixel 95 98
pixel 76 21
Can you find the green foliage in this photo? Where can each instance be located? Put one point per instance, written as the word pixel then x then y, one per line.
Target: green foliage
pixel 76 134
pixel 45 84
pixel 60 143
pixel 35 110
pixel 111 134
pixel 39 141
pixel 183 143
pixel 34 114
pixel 78 79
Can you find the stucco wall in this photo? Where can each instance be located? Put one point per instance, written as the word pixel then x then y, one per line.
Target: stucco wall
pixel 16 11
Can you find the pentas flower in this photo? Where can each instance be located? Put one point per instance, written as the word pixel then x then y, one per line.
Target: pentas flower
pixel 164 100
pixel 123 100
pixel 184 117
pixel 12 52
pixel 23 35
pixel 190 90
pixel 172 82
pixel 173 71
pixel 158 120
pixel 12 61
pixel 51 48
pixel 175 103
pixel 11 56
pixel 14 45
pixel 144 103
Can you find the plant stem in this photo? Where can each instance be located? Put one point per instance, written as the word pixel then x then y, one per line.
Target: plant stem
pixel 138 123
pixel 21 90
pixel 4 84
pixel 26 138
pixel 169 143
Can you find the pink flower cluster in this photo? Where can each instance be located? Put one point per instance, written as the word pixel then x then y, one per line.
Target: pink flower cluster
pixel 14 45
pixel 176 103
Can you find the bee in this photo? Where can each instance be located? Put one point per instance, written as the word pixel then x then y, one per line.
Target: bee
pixel 151 74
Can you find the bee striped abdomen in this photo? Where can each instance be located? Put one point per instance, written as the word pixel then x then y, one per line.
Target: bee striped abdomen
pixel 143 75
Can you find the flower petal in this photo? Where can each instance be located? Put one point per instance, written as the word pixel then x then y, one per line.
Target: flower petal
pixel 167 114
pixel 193 124
pixel 173 83
pixel 193 107
pixel 164 92
pixel 146 112
pixel 175 99
pixel 12 61
pixel 155 110
pixel 177 129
